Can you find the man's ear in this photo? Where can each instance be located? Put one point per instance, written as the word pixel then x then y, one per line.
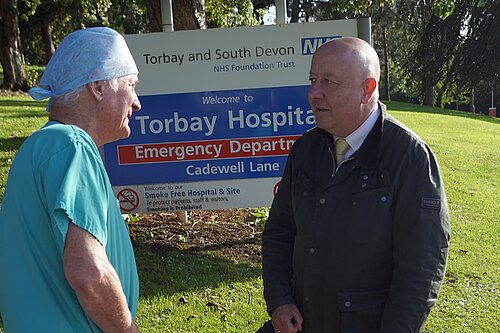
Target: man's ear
pixel 96 89
pixel 369 87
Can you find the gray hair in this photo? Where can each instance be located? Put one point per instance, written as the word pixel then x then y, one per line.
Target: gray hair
pixel 74 95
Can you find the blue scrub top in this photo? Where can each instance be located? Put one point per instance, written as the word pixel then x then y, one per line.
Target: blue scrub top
pixel 57 175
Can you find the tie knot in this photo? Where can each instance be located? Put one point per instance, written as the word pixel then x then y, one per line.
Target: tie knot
pixel 341 147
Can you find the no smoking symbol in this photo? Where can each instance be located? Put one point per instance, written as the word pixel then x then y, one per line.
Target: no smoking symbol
pixel 128 200
pixel 275 189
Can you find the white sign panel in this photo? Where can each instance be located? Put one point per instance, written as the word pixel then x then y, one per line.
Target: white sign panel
pixel 221 109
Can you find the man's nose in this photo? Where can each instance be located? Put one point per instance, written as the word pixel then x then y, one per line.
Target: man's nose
pixel 315 91
pixel 136 104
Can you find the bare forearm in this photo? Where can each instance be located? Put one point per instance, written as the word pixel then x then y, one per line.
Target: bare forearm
pixel 106 305
pixel 96 283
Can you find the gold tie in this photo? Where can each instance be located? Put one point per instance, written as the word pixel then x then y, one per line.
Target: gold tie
pixel 341 147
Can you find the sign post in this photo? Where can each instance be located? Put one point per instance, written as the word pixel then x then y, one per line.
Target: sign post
pixel 280 6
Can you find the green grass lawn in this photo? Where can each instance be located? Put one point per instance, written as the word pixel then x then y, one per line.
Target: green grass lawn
pixel 19 117
pixel 203 293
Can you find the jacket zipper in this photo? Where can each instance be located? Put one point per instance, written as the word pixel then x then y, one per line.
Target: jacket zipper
pixel 333 160
pixel 334 166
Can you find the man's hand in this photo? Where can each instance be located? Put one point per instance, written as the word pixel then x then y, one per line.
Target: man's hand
pixel 286 319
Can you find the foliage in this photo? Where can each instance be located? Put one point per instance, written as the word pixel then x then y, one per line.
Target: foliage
pixel 310 10
pixel 131 218
pixel 19 117
pixel 452 96
pixel 443 9
pixel 427 49
pixel 64 16
pixel 423 39
pixel 260 6
pixel 437 50
pixel 261 215
pixel 128 17
pixel 84 11
pixel 477 61
pixel 229 13
pixel 34 74
pixel 96 11
pixel 27 8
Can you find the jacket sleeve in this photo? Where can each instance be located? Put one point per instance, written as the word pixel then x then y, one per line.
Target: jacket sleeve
pixel 278 243
pixel 421 233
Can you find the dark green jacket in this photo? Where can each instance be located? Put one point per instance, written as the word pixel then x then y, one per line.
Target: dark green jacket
pixel 364 249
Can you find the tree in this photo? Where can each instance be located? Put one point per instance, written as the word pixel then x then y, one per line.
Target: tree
pixel 11 57
pixel 307 10
pixel 477 65
pixel 230 13
pixel 200 14
pixel 35 23
pixel 418 37
pixel 439 40
pixel 29 26
pixel 259 6
pixel 448 49
pixel 187 14
pixel 312 10
pixel 433 49
pixel 37 20
pixel 129 16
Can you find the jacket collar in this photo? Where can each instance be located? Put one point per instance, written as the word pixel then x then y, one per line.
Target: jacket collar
pixel 367 155
pixel 369 151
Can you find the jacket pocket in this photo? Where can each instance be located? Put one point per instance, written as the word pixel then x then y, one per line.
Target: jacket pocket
pixel 371 217
pixel 302 197
pixel 301 181
pixel 361 312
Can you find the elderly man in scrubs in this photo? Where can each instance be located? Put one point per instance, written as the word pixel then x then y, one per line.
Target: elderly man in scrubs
pixel 66 259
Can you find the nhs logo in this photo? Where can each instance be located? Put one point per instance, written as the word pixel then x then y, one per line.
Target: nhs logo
pixel 309 45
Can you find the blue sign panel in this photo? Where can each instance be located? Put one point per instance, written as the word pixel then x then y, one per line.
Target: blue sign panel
pixel 218 135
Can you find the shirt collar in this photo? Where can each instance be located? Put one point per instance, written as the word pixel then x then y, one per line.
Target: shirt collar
pixel 356 138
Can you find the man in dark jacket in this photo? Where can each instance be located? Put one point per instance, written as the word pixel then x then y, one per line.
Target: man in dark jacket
pixel 357 237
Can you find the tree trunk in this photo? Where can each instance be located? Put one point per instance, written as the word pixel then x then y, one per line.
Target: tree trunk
pixel 185 14
pixel 11 57
pixel 430 96
pixel 472 103
pixel 188 14
pixel 294 10
pixel 47 40
pixel 428 89
pixel 154 13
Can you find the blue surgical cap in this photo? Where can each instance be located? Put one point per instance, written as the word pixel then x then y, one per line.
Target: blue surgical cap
pixel 82 57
